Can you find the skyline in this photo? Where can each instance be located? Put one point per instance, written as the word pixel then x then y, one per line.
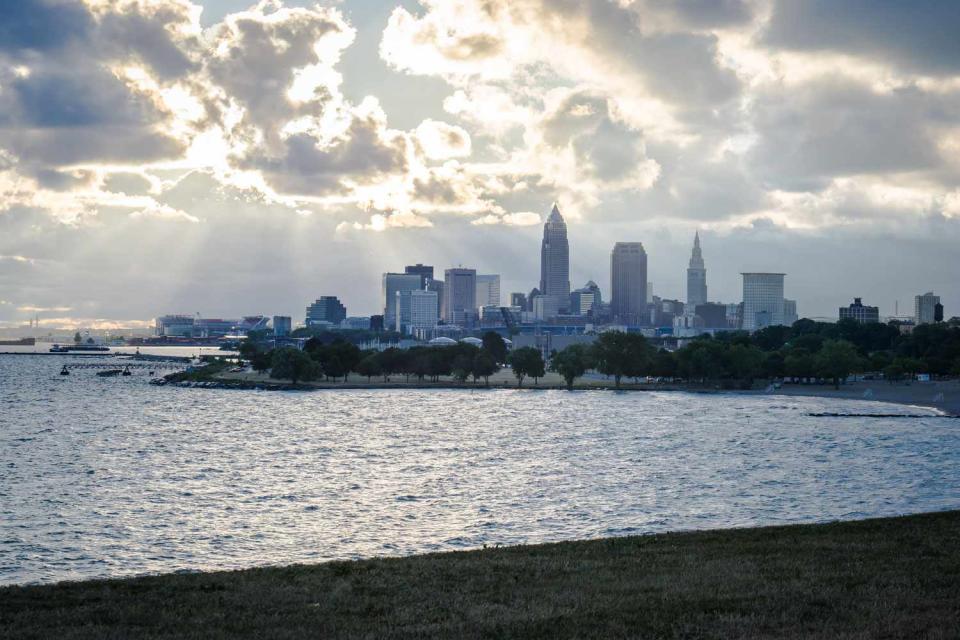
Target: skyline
pixel 146 167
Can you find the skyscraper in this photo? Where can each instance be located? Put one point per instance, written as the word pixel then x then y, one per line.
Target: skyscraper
pixel 392 283
pixel 762 300
pixel 696 276
pixel 555 259
pixel 488 290
pixel 425 272
pixel 460 296
pixel 628 282
pixel 925 308
pixel 326 309
pixel 416 309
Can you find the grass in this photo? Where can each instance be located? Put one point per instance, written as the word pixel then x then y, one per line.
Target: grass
pixel 884 578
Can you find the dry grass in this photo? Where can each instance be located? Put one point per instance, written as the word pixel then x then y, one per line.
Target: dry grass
pixel 888 578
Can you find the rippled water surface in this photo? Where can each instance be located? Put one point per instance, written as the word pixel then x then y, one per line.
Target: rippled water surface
pixel 112 476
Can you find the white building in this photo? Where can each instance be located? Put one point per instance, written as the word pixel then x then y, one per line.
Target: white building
pixel 417 309
pixel 925 308
pixel 392 284
pixel 488 290
pixel 762 300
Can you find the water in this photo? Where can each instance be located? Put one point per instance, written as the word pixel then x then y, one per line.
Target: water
pixel 111 476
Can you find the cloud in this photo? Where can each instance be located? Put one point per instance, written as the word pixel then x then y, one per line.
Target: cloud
pixel 164 212
pixel 381 222
pixel 519 219
pixel 27 308
pixel 442 141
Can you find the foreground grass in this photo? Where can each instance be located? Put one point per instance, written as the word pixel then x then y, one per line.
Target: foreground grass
pixel 889 578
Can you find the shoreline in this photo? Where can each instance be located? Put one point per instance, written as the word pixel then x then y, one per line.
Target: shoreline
pixel 915 394
pixel 838 578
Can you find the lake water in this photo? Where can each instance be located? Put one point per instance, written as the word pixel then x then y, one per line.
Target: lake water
pixel 111 476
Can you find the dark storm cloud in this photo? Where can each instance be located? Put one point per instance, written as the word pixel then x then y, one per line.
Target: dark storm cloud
pixel 915 35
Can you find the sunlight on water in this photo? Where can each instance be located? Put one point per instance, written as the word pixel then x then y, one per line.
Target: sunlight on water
pixel 111 476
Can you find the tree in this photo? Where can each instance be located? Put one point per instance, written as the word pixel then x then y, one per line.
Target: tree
pixel 494 345
pixel 294 365
pixel 745 363
pixel 572 362
pixel 525 361
pixel 484 366
pixel 461 367
pixel 370 366
pixel 261 361
pixel 837 359
pixel 800 364
pixel 619 354
pixel 893 373
pixel 77 338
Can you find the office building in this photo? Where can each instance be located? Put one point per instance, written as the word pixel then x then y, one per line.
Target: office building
pixel 327 309
pixel 762 300
pixel 628 282
pixel 586 300
pixel 696 276
pixel 282 326
pixel 714 316
pixel 518 300
pixel 460 296
pixel 425 272
pixel 790 312
pixel 925 308
pixel 416 309
pixel 860 312
pixel 356 323
pixel 392 283
pixel 488 290
pixel 546 307
pixel 555 259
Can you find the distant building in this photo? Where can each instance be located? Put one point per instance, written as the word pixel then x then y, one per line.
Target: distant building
pixel 860 312
pixel 714 315
pixel 555 258
pixel 546 307
pixel 664 312
pixel 762 300
pixel 356 323
pixel 213 327
pixel 416 309
pixel 175 326
pixel 925 308
pixel 327 309
pixel 628 282
pixel 790 312
pixel 696 276
pixel 518 300
pixel 246 324
pixel 376 323
pixel 530 296
pixel 437 287
pixel 391 284
pixel 282 326
pixel 460 296
pixel 586 300
pixel 425 272
pixel 488 290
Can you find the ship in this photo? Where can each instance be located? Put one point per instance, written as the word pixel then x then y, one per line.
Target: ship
pixel 67 348
pixel 22 342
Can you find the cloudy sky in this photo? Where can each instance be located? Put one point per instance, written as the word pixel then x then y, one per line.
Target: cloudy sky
pixel 216 157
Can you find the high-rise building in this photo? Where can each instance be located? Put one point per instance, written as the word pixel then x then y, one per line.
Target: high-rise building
pixel 714 315
pixel 628 282
pixel 555 259
pixel 392 283
pixel 860 312
pixel 326 309
pixel 762 300
pixel 282 326
pixel 460 296
pixel 790 312
pixel 585 300
pixel 925 308
pixel 530 297
pixel 518 300
pixel 696 276
pixel 488 290
pixel 425 272
pixel 416 309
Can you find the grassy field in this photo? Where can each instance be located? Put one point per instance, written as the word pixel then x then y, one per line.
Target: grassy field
pixel 885 578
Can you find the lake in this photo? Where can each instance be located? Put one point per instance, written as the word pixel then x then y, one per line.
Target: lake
pixel 112 476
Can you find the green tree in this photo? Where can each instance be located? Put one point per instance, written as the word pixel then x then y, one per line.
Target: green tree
pixel 294 365
pixel 77 338
pixel 745 363
pixel 836 360
pixel 619 354
pixel 370 366
pixel 461 367
pixel 525 361
pixel 800 364
pixel 572 362
pixel 893 373
pixel 261 361
pixel 484 366
pixel 494 345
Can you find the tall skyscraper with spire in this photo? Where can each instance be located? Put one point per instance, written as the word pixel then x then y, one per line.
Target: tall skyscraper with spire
pixel 696 276
pixel 555 259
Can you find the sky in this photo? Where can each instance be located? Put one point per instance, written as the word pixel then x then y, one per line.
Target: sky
pixel 229 158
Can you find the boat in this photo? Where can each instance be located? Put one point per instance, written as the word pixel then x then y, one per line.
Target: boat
pixel 109 373
pixel 57 348
pixel 22 342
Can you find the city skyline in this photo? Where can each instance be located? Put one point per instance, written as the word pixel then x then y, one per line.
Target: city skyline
pixel 127 184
